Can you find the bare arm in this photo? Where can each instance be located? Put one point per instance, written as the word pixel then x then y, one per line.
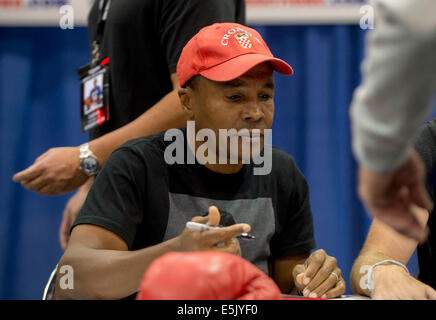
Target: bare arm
pixel 57 170
pixel 383 243
pixel 105 269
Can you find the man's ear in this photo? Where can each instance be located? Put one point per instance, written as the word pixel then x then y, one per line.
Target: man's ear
pixel 186 96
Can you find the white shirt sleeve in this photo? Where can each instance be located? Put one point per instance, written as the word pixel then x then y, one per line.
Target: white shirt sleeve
pixel 398 84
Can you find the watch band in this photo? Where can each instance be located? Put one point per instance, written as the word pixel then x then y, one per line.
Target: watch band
pixel 84 154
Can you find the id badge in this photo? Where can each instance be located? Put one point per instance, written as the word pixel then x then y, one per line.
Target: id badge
pixel 94 95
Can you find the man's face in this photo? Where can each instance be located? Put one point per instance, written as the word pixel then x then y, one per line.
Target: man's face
pixel 243 103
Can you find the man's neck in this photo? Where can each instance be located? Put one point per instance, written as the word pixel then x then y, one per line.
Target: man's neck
pixel 217 167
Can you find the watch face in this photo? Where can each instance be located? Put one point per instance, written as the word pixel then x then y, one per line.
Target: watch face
pixel 90 165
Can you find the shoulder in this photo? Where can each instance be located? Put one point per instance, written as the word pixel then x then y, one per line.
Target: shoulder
pixel 282 161
pixel 143 148
pixel 284 169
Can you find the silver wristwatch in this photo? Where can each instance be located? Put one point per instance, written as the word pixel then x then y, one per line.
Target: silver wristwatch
pixel 88 161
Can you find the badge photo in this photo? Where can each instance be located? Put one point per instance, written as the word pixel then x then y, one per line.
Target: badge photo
pixel 94 104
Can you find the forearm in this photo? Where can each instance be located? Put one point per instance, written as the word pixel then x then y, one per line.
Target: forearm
pixel 107 274
pixel 398 85
pixel 360 269
pixel 165 114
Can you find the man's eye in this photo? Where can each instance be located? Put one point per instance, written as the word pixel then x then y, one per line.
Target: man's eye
pixel 265 96
pixel 234 97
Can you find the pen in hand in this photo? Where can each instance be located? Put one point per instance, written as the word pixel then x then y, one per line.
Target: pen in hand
pixel 203 227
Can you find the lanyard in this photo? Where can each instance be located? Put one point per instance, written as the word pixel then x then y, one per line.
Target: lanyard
pixel 103 8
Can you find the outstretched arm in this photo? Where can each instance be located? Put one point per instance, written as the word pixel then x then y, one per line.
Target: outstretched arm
pixel 57 170
pixel 103 268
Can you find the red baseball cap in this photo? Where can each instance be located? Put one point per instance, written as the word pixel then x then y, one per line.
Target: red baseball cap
pixel 225 51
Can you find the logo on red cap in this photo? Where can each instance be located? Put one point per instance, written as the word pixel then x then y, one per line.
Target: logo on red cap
pixel 244 40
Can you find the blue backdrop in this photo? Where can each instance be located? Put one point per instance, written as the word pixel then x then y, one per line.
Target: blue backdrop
pixel 39 98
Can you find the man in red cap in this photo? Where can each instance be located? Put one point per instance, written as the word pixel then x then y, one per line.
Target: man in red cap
pixel 150 188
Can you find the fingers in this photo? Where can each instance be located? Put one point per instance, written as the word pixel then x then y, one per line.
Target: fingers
pixel 405 222
pixel 420 196
pixel 319 276
pixel 313 263
pixel 209 240
pixel 214 216
pixel 418 190
pixel 298 275
pixel 28 174
pixel 34 184
pixel 36 179
pixel 324 278
pixel 213 219
pixel 47 190
pixel 389 197
pixel 326 285
pixel 212 237
pixel 337 291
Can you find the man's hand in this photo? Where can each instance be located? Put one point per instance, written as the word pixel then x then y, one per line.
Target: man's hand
pixel 392 282
pixel 222 239
pixel 319 276
pixel 72 210
pixel 390 197
pixel 54 172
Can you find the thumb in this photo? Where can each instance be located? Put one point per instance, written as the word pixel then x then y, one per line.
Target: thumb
pixel 298 274
pixel 214 216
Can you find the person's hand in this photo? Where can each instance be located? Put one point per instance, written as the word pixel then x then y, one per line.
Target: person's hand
pixel 72 210
pixel 319 277
pixel 390 197
pixel 392 282
pixel 54 172
pixel 222 239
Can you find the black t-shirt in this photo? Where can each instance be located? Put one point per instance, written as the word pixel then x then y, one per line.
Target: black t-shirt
pixel 145 201
pixel 143 40
pixel 425 145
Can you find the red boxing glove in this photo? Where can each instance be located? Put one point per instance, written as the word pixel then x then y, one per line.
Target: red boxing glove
pixel 205 275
